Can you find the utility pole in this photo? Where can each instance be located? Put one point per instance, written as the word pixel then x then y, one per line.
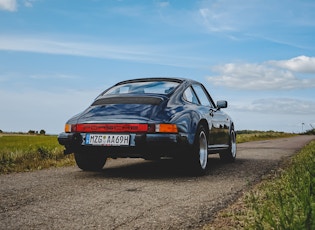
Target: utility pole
pixel 303 127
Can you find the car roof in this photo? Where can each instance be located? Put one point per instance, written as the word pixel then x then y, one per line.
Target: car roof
pixel 172 79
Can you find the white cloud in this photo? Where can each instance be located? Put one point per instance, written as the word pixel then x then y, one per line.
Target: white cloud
pixel 29 3
pixel 132 52
pixel 8 5
pixel 163 4
pixel 268 121
pixel 265 20
pixel 56 46
pixel 229 15
pixel 12 5
pixel 281 114
pixel 287 106
pixel 215 21
pixel 129 11
pixel 264 76
pixel 302 64
pixel 52 76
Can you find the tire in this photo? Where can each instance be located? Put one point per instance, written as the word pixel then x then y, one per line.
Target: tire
pixel 90 161
pixel 200 152
pixel 230 154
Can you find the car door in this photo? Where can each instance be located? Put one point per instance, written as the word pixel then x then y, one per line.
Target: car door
pixel 217 120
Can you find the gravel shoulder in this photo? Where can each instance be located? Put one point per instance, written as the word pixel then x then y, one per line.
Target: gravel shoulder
pixel 134 193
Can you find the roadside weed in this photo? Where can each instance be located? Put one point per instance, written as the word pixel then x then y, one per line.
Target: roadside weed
pixel 287 202
pixel 20 153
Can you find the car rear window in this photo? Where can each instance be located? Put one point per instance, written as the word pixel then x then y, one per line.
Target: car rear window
pixel 149 87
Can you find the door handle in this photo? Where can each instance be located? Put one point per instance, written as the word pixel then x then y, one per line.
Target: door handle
pixel 211 112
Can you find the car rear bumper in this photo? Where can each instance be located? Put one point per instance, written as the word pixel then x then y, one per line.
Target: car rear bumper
pixel 141 145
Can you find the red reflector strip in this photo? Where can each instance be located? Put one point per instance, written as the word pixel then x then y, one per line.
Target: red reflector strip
pixel 111 128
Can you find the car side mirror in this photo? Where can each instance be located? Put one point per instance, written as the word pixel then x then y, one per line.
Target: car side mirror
pixel 222 104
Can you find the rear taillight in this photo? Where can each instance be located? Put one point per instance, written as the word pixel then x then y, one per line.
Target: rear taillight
pixel 121 128
pixel 166 128
pixel 68 128
pixel 109 128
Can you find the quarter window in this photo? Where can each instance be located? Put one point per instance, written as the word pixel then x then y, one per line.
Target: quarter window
pixel 190 96
pixel 203 98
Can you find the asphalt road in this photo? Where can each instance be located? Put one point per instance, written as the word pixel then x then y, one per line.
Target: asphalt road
pixel 134 193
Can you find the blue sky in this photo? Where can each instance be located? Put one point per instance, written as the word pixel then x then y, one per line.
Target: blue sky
pixel 56 56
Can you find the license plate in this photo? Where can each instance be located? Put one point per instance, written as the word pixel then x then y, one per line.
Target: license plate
pixel 107 139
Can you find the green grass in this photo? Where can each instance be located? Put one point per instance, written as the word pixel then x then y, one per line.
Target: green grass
pixel 246 136
pixel 287 202
pixel 20 153
pixel 284 200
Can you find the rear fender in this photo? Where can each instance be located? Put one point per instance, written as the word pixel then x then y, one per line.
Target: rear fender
pixel 187 124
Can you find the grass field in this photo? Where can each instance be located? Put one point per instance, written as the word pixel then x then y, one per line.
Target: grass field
pixel 288 200
pixel 284 200
pixel 246 136
pixel 20 153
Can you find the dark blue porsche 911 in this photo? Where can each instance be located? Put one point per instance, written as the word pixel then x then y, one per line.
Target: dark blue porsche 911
pixel 151 118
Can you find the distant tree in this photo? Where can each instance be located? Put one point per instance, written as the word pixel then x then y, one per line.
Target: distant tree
pixel 1 131
pixel 31 132
pixel 42 132
pixel 310 132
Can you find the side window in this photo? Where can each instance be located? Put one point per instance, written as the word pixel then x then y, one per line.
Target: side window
pixel 190 96
pixel 203 98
